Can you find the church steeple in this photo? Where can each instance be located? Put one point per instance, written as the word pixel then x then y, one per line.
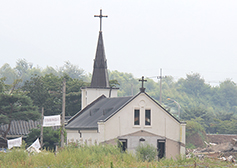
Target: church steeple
pixel 100 76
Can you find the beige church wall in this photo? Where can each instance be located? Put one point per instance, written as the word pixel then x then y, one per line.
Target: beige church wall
pixel 90 94
pixel 122 123
pixel 134 141
pixel 72 136
pixel 172 149
pixel 183 132
pixel 89 137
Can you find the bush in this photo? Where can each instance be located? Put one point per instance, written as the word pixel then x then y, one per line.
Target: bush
pixel 146 152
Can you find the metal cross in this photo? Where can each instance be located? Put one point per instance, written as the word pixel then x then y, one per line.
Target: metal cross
pixel 143 80
pixel 100 16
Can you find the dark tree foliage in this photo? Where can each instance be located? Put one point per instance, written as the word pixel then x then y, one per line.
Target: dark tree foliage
pixel 46 91
pixel 50 137
pixel 194 85
pixel 73 95
pixel 15 105
pixel 36 90
pixel 114 83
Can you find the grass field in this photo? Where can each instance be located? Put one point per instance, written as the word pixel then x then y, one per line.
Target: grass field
pixel 95 156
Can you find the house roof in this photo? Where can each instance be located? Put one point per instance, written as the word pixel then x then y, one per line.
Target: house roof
pixel 102 109
pixel 20 127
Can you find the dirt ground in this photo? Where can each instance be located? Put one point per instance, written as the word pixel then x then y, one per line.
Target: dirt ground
pixel 197 140
pixel 220 138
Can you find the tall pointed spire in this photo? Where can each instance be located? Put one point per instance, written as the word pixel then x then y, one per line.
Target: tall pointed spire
pixel 100 77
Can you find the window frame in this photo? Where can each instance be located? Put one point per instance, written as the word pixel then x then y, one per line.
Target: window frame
pixel 134 117
pixel 147 124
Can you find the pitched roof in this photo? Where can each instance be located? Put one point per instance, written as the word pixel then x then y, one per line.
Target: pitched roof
pixel 20 127
pixel 103 109
pixel 100 73
pixel 100 109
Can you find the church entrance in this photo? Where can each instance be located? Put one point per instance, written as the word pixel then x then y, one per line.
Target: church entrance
pixel 123 144
pixel 161 148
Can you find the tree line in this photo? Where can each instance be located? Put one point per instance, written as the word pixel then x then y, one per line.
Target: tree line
pixel 190 98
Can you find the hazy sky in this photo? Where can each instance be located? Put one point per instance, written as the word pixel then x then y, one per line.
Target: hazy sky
pixel 140 37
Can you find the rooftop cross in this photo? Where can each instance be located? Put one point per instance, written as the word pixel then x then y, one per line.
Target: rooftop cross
pixel 100 16
pixel 142 89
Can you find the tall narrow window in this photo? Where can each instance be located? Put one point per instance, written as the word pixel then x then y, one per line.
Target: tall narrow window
pixel 148 117
pixel 136 117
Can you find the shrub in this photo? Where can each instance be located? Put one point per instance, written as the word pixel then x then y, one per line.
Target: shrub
pixel 146 152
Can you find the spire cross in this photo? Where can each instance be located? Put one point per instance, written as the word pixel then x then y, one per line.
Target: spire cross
pixel 142 89
pixel 100 16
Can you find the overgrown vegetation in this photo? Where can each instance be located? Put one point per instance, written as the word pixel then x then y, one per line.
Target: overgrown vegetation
pixel 51 137
pixel 94 156
pixel 146 152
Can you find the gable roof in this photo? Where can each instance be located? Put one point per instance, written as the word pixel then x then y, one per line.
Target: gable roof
pixel 103 109
pixel 98 110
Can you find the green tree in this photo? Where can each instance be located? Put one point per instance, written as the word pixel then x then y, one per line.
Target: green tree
pixel 193 85
pixel 195 134
pixel 36 90
pixel 128 84
pixel 49 70
pixel 46 91
pixel 146 152
pixel 25 69
pixel 9 73
pixel 73 95
pixel 50 137
pixel 15 105
pixel 114 83
pixel 71 70
pixel 228 92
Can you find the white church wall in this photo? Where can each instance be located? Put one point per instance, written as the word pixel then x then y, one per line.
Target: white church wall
pixel 73 136
pixel 162 124
pixel 183 132
pixel 133 142
pixel 89 137
pixel 90 94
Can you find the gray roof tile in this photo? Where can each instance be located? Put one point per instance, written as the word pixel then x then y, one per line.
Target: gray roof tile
pixel 100 109
pixel 20 127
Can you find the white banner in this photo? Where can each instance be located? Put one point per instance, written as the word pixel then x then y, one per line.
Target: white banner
pixel 35 145
pixel 14 142
pixel 50 121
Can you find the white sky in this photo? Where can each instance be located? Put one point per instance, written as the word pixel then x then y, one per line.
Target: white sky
pixel 140 37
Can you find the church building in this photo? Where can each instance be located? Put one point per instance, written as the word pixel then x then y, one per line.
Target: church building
pixel 133 120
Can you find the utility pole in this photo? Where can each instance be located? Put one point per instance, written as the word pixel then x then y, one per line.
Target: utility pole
pixel 63 113
pixel 41 132
pixel 160 77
